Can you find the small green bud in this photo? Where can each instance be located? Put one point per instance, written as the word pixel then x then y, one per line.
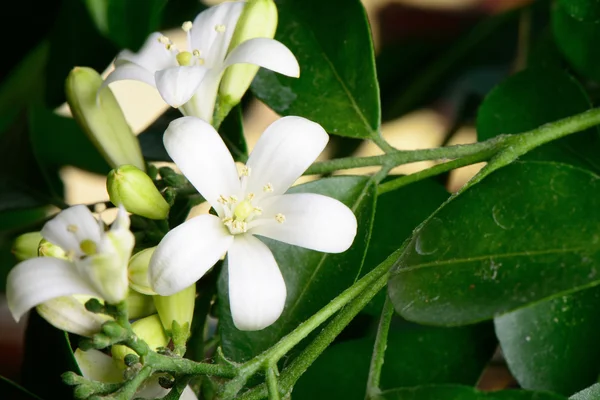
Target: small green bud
pixel 100 341
pixel 47 249
pixel 131 359
pixel 148 329
pixel 70 378
pixel 177 307
pixel 94 305
pixel 138 271
pixel 131 187
pixel 97 111
pixel 26 246
pixel 258 20
pixel 114 330
pixel 139 305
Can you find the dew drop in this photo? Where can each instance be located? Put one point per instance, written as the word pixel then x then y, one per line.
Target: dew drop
pixel 501 217
pixel 430 238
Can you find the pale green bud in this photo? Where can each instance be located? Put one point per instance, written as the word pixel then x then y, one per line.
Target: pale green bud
pixel 26 246
pixel 177 307
pixel 138 271
pixel 131 187
pixel 99 114
pixel 258 20
pixel 148 329
pixel 47 249
pixel 139 305
pixel 68 313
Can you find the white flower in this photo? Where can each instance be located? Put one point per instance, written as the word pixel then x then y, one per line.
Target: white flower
pixel 248 204
pixel 189 79
pixel 97 366
pixel 96 263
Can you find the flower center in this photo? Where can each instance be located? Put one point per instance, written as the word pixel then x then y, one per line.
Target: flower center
pixel 88 247
pixel 184 58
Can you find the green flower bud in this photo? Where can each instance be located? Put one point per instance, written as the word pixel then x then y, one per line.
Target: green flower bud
pixel 131 187
pixel 177 307
pixel 138 271
pixel 148 329
pixel 258 20
pixel 99 114
pixel 139 305
pixel 47 249
pixel 26 246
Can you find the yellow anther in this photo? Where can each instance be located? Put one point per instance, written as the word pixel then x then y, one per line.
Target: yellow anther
pixel 170 46
pixel 196 53
pixel 280 218
pixel 233 199
pixel 250 196
pixel 201 61
pixel 88 247
pixel 220 28
pixel 245 171
pixel 222 199
pixel 163 40
pixel 184 58
pixel 257 210
pixel 268 188
pixel 186 26
pixel 72 228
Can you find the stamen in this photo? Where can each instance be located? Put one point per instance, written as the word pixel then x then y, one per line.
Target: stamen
pixel 222 199
pixel 220 28
pixel 280 218
pixel 201 61
pixel 186 26
pixel 196 53
pixel 258 210
pixel 233 199
pixel 163 40
pixel 244 171
pixel 268 188
pixel 250 196
pixel 72 228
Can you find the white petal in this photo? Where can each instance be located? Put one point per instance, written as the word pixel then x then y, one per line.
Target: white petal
pixel 187 252
pixel 284 151
pixel 37 280
pixel 72 226
pixel 129 72
pixel 177 85
pixel 69 314
pixel 188 394
pixel 202 104
pixel 153 55
pixel 200 153
pixel 256 288
pixel 97 366
pixel 312 221
pixel 207 38
pixel 266 53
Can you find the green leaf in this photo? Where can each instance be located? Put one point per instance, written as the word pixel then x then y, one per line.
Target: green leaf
pixel 463 393
pixel 75 41
pixel 582 10
pixel 526 233
pixel 400 212
pixel 532 98
pixel 59 141
pixel 11 390
pixel 48 354
pixel 559 334
pixel 578 41
pixel 337 86
pixel 415 355
pixel 312 278
pixel 126 23
pixel 591 393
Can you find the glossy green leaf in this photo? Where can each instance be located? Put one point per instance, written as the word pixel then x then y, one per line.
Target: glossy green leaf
pixel 582 10
pixel 415 355
pixel 591 393
pixel 11 390
pixel 338 85
pixel 463 393
pixel 532 98
pixel 400 212
pixel 578 41
pixel 59 141
pixel 312 278
pixel 526 233
pixel 126 23
pixel 553 345
pixel 48 354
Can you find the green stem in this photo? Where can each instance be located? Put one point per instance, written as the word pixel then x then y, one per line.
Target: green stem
pixel 183 366
pixel 433 171
pixel 379 349
pixel 292 373
pixel 400 157
pixel 128 390
pixel 272 384
pixel 380 141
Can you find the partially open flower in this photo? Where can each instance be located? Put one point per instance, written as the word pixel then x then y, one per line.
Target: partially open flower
pixel 189 79
pixel 251 203
pixel 95 264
